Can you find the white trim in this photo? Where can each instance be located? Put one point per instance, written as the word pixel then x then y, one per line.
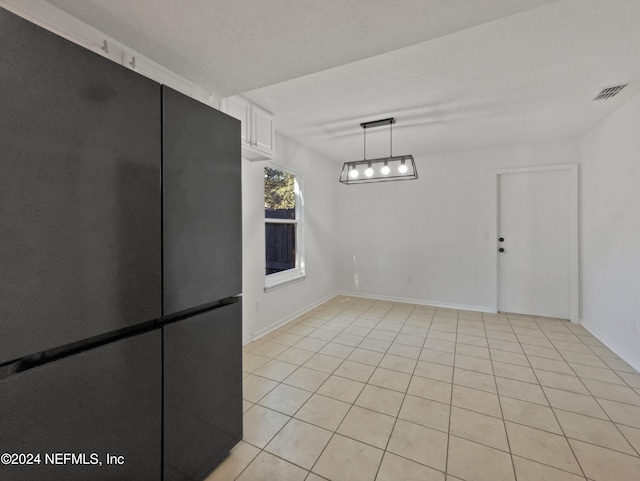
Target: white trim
pixel 574 242
pixel 420 302
pixel 630 357
pixel 66 26
pixel 574 248
pixel 281 221
pixel 59 22
pixel 275 325
pixel 493 241
pixel 276 281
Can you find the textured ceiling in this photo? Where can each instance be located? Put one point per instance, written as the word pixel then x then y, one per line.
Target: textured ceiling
pixel 456 74
pixel 527 78
pixel 232 46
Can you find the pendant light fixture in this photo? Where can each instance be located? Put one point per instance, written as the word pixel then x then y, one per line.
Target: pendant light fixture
pixel 384 169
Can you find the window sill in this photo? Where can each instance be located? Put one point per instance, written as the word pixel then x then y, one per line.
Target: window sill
pixel 271 284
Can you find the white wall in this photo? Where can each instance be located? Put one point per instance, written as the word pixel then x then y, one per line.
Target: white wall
pixel 610 231
pixel 432 230
pixel 282 304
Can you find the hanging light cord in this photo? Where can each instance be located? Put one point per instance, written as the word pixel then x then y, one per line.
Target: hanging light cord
pixel 390 139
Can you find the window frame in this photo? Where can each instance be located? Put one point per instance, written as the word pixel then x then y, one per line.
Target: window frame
pixel 283 278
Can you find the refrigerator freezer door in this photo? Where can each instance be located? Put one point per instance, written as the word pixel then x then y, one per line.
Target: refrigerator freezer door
pixel 105 400
pixel 202 214
pixel 80 235
pixel 202 391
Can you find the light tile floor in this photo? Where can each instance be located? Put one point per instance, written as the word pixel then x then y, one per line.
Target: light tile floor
pixel 364 390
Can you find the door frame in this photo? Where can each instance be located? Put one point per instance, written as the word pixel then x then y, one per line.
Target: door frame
pixel 574 251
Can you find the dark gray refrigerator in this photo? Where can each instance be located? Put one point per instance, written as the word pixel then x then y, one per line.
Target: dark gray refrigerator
pixel 120 269
pixel 202 263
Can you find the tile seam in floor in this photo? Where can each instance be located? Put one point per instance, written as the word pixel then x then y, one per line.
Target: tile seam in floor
pixel 446 464
pixel 504 422
pixel 396 320
pixel 559 424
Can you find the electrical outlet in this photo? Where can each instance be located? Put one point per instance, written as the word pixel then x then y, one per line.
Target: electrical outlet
pixel 486 236
pixel 257 305
pixel 409 281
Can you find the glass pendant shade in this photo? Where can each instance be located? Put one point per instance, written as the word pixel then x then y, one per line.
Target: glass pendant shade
pixel 384 169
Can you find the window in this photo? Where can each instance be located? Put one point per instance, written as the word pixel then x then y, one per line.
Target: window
pixel 283 213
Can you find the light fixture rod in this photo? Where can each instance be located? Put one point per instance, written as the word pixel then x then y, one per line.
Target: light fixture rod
pixel 365 145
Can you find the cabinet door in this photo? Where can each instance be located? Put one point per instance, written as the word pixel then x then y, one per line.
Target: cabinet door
pixel 202 391
pixel 262 131
pixel 105 400
pixel 202 214
pixel 79 193
pixel 239 109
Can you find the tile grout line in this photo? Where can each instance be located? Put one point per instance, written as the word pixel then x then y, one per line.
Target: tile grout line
pixel 504 422
pixel 347 413
pixel 549 371
pixel 596 399
pixel 466 409
pixel 544 332
pixel 535 384
pixel 453 373
pixel 384 451
pixel 283 426
pixel 386 352
pixel 334 432
pixel 564 434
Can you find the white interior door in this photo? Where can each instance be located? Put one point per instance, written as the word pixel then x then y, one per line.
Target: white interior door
pixel 537 270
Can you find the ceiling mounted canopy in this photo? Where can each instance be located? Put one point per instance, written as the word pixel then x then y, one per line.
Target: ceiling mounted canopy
pixel 383 169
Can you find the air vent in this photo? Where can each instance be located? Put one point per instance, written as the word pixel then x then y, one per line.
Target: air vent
pixel 609 92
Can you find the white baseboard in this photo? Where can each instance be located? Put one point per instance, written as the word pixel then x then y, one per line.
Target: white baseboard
pixel 275 325
pixel 631 358
pixel 421 302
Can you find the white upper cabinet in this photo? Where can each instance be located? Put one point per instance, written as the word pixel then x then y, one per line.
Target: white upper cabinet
pixel 240 109
pixel 258 129
pixel 262 126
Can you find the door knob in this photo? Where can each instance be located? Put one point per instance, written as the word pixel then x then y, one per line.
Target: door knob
pixel 501 249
